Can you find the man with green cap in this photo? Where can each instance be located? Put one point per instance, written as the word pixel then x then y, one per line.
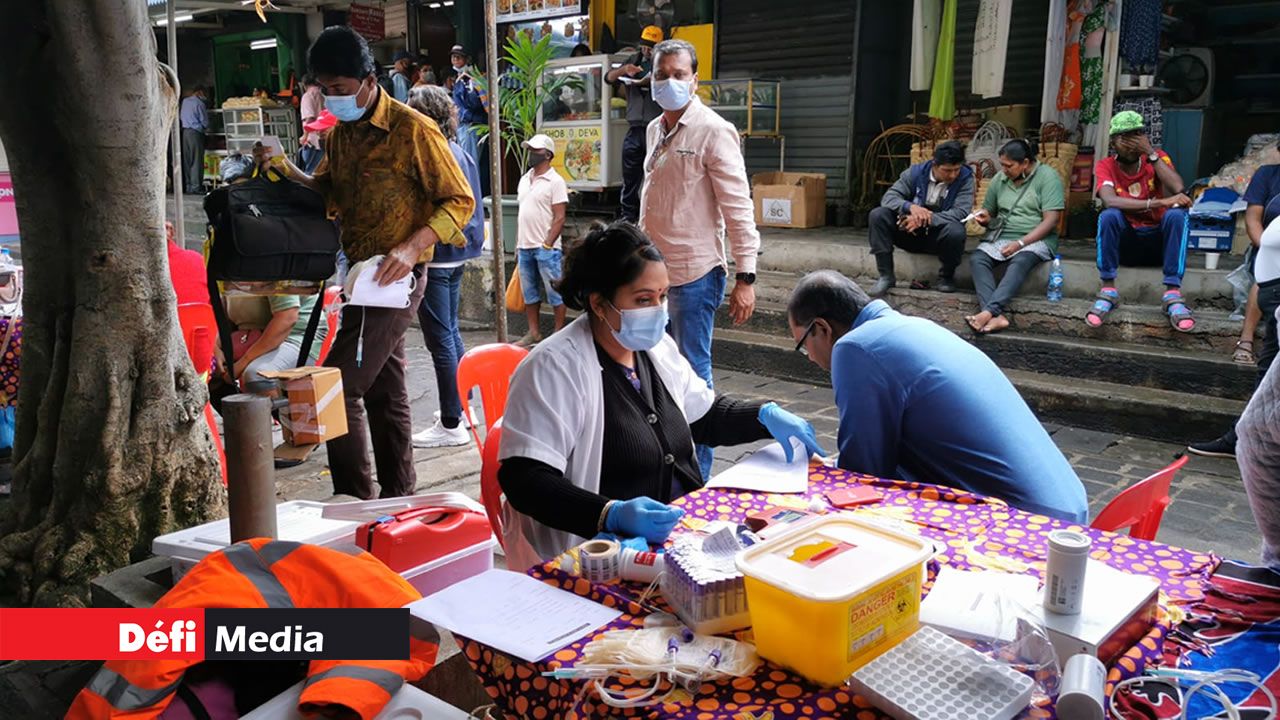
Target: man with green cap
pixel 1145 220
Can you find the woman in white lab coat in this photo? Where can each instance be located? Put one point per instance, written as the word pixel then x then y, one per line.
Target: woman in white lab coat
pixel 602 417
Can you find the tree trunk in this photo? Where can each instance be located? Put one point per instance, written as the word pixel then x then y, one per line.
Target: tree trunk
pixel 111 447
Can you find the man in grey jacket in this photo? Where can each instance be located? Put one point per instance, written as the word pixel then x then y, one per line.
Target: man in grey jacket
pixel 924 212
pixel 1258 454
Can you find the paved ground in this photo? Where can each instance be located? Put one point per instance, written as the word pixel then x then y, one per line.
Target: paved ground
pixel 1209 510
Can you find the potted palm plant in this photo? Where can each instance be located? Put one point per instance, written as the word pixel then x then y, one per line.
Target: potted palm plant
pixel 523 88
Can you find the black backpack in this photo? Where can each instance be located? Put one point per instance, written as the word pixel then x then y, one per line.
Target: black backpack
pixel 269 230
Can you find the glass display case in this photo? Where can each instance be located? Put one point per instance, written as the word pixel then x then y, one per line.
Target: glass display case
pixel 587 122
pixel 751 104
pixel 243 126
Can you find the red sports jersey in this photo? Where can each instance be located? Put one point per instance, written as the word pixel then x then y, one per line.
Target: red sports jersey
pixel 1140 186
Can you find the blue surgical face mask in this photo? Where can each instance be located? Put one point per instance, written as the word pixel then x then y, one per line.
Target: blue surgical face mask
pixel 672 94
pixel 345 107
pixel 641 328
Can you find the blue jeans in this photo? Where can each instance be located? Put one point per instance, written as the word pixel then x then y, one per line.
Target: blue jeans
pixel 310 158
pixel 539 268
pixel 438 316
pixel 1168 242
pixel 692 307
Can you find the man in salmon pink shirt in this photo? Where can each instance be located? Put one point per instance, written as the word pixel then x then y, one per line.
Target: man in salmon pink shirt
pixel 695 196
pixel 1145 220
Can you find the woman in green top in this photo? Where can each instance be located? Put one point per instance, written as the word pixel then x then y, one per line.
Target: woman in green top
pixel 1025 201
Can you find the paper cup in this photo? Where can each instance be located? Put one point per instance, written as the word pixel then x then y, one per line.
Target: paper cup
pixel 1211 261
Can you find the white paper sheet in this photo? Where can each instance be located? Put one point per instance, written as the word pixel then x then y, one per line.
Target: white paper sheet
pixel 362 289
pixel 767 470
pixel 978 604
pixel 632 81
pixel 514 613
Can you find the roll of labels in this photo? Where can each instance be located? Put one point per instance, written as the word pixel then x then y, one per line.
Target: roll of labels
pixel 606 560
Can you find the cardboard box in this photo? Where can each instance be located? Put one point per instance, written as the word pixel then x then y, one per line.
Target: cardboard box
pixel 316 411
pixel 787 199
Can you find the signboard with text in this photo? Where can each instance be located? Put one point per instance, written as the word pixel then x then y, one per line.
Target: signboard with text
pixel 368 20
pixel 521 10
pixel 578 152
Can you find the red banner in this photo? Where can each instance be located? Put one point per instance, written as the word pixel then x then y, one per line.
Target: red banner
pixel 8 207
pixel 368 20
pixel 98 634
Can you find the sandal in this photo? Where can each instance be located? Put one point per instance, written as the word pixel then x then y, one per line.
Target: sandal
pixel 1244 353
pixel 1108 299
pixel 1180 317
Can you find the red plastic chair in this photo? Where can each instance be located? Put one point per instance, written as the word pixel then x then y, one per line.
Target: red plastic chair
pixel 489 367
pixel 1140 507
pixel 331 315
pixel 490 490
pixel 199 328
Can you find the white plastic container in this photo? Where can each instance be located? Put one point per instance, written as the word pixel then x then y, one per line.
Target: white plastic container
pixel 297 520
pixel 409 703
pixel 439 574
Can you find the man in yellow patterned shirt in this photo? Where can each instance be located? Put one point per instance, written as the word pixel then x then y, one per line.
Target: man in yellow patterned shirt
pixel 389 177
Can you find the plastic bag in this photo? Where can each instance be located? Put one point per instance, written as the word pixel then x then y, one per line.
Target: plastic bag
pixel 1241 282
pixel 1029 651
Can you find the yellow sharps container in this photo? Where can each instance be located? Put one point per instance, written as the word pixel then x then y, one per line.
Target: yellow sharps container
pixel 830 595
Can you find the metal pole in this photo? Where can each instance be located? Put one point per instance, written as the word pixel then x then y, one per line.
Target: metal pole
pixel 251 481
pixel 495 172
pixel 175 135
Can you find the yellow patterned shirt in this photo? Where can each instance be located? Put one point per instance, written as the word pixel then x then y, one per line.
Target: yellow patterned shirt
pixel 390 175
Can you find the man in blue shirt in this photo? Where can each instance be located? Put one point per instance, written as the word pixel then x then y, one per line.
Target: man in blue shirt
pixel 471 113
pixel 918 403
pixel 400 76
pixel 194 118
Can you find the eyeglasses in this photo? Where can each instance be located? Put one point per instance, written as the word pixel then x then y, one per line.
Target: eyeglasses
pixel 800 348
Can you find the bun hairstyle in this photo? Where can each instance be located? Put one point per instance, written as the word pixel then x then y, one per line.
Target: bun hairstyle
pixel 608 258
pixel 1019 149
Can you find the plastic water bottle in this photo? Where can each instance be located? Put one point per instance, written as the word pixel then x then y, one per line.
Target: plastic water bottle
pixel 1056 280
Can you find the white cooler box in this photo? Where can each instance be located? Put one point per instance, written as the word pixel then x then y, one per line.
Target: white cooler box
pixel 298 520
pixel 409 703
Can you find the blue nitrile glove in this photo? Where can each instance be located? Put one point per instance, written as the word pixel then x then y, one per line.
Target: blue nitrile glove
pixel 642 517
pixel 783 426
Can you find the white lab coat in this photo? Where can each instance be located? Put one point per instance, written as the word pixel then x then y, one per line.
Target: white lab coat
pixel 555 414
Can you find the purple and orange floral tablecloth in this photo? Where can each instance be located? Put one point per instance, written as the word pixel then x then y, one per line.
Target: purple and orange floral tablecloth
pixel 971 532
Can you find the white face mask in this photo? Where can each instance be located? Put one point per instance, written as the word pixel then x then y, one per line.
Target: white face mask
pixel 672 94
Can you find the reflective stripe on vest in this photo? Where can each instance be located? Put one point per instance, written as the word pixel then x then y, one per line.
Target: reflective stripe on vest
pixel 244 558
pixel 124 695
pixel 384 679
pixel 274 552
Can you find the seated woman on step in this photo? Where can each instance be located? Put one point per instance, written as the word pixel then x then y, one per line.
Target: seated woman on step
pixel 602 417
pixel 1022 208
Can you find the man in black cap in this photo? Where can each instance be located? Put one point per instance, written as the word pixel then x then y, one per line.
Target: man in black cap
pixel 641 110
pixel 471 113
pixel 400 82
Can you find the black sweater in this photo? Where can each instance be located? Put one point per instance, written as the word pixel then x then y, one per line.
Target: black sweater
pixel 647 451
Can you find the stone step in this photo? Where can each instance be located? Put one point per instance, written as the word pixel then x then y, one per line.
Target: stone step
pixel 799 252
pixel 1106 406
pixel 1142 365
pixel 1141 324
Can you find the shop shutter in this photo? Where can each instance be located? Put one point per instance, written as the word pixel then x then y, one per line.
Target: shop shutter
pixel 809 46
pixel 397 20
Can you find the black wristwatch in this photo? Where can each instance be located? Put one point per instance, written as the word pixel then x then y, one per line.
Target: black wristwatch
pixel 748 278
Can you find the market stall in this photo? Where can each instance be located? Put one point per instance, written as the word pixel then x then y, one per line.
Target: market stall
pixel 587 122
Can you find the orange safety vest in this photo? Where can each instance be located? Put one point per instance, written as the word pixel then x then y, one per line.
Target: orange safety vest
pixel 264 573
